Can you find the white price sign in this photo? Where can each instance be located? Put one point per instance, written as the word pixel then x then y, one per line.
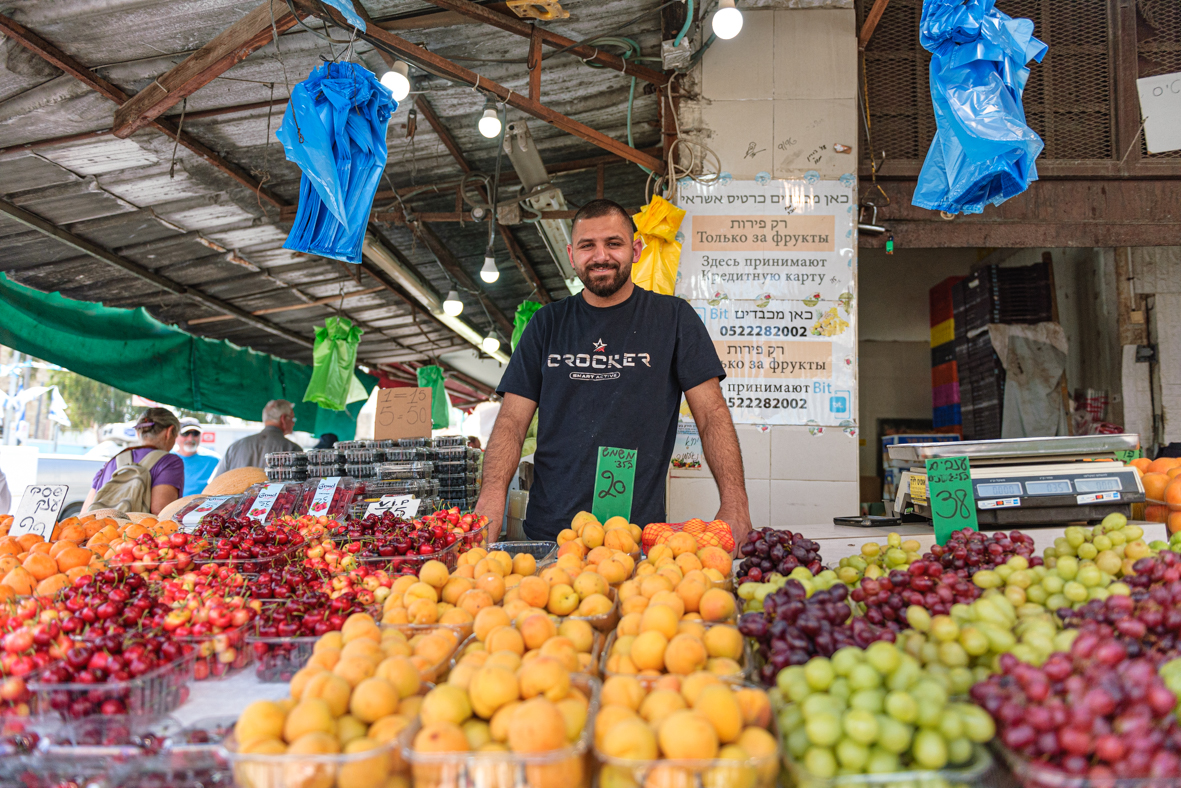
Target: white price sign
pixel 404 506
pixel 264 502
pixel 38 510
pixel 323 497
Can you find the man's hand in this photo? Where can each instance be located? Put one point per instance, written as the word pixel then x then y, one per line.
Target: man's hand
pixel 488 506
pixel 738 518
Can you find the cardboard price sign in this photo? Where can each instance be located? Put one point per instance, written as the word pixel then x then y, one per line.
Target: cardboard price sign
pixel 403 413
pixel 1128 455
pixel 404 506
pixel 615 476
pixel 38 510
pixel 949 489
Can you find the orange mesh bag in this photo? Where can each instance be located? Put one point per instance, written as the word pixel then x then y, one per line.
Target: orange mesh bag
pixel 712 534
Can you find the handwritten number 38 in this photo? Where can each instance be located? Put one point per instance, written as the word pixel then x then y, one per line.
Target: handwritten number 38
pixel 958 500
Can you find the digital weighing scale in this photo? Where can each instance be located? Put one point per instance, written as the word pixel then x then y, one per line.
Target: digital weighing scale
pixel 1030 481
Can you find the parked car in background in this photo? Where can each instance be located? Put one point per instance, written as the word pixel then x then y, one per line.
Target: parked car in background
pixel 25 465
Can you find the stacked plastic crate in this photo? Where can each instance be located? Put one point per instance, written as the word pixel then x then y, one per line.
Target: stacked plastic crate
pixel 945 381
pixel 992 295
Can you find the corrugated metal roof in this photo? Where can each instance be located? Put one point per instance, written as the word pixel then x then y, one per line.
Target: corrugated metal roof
pixel 130 197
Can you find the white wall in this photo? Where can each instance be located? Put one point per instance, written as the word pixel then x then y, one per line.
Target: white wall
pixel 779 99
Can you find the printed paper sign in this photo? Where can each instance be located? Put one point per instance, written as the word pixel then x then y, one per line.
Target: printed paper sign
pixel 265 501
pixel 953 507
pixel 323 497
pixel 614 479
pixel 38 510
pixel 770 268
pixel 193 518
pixel 402 413
pixel 404 506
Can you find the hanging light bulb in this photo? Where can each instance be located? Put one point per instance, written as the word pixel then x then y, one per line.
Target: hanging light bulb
pixel 489 272
pixel 727 21
pixel 452 305
pixel 491 344
pixel 397 79
pixel 490 120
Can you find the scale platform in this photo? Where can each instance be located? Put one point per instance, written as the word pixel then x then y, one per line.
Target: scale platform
pixel 1031 481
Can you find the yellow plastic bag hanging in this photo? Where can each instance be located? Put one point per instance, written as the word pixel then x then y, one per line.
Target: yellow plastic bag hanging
pixel 657 224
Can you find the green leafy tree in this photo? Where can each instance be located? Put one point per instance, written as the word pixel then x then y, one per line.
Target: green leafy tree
pixel 91 404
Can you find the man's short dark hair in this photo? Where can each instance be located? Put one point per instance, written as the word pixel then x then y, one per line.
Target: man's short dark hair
pixel 596 208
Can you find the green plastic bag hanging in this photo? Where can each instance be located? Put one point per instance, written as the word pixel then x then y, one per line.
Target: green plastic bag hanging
pixel 432 377
pixel 524 314
pixel 333 359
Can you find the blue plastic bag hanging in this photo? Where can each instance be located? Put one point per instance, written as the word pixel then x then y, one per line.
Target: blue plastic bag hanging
pixel 334 129
pixel 983 152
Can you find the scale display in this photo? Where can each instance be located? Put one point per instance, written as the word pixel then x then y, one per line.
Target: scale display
pixel 1056 487
pixel 1098 485
pixel 998 490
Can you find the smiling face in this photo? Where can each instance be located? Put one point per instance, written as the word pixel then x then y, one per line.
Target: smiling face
pixel 602 253
pixel 188 442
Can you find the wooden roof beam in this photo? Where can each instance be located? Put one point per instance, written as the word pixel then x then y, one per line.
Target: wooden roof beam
pixel 512 24
pixel 249 34
pixel 871 22
pixel 441 66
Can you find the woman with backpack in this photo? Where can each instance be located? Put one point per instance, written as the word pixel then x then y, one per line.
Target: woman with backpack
pixel 143 478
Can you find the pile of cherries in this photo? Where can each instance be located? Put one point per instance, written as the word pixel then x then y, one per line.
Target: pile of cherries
pixel 793 627
pixel 967 551
pixel 770 550
pixel 249 546
pixel 923 583
pixel 1096 712
pixel 285 632
pixel 110 603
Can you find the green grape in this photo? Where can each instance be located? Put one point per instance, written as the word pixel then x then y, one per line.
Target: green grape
pixel 845 659
pixel 797 743
pixel 959 751
pixel 788 676
pixel 944 628
pixel 823 729
pixel 790 717
pixel 1068 567
pixel 905 675
pixel 961 681
pixel 864 676
pixel 870 550
pixel 819 674
pixel 871 700
pixel 1053 584
pixel 1020 578
pixel 860 726
pixel 953 655
pixel 929 750
pixel 894 736
pixel 1088 551
pixel 796 691
pixel 1074 536
pixel 851 755
pixel 951 726
pixel 985 578
pixel 820 762
pixel 820 703
pixel 1090 576
pixel 883 657
pixel 840 689
pixel 1075 592
pixel 978 724
pixel 902 706
pixel 1037 594
pixel 882 762
pixel 1056 601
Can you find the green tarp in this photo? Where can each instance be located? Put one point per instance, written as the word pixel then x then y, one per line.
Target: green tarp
pixel 134 352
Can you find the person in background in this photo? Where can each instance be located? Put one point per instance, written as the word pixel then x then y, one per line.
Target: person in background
pixel 157 429
pixel 278 419
pixel 199 463
pixel 327 441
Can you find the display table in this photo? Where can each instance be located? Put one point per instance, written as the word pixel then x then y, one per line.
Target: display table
pixel 227 697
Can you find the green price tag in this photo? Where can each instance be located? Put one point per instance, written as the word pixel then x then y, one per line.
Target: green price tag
pixel 1127 456
pixel 614 478
pixel 949 489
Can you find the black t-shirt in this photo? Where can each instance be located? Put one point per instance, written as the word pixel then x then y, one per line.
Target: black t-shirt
pixel 606 377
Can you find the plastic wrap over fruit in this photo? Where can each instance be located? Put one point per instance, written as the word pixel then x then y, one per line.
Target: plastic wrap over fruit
pixel 983 152
pixel 712 534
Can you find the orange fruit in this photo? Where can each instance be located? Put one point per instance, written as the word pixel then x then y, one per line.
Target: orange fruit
pixel 1162 464
pixel 58 547
pixel 20 581
pixel 10 546
pixel 40 565
pixel 1174 522
pixel 52 584
pixel 73 558
pixel 1142 463
pixel 28 540
pixel 1155 485
pixel 1156 513
pixel 78 571
pixel 41 547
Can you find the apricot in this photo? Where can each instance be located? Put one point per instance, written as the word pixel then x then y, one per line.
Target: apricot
pixel 723 666
pixel 349 728
pixel 687 562
pixel 635 604
pixel 760 744
pixel 724 641
pixel 373 699
pixel 434 573
pixel 51 585
pixel 660 551
pixel 489 619
pixel 544 676
pixel 330 688
pixel 524 564
pixel 40 565
pixel 420 590
pixel 681 542
pixel 537 726
pixel 491 688
pixel 686 734
pixel 689 626
pixel 311 715
pixel 670 599
pixel 580 634
pixel 493 584
pixel 533 591
pixel 755 705
pixel 362 648
pixel 20 581
pixel 563 651
pixel 445 703
pixel 685 654
pixel 566 535
pixel 594 605
pixel 503 560
pixel 574 711
pixel 715 558
pixel 459 617
pixel 660 703
pixel 653 583
pixel 690 593
pixel 354 670
pixel 613 571
pixel 502 720
pixel 260 720
pixel 309 773
pixel 363 772
pixel 660 618
pixel 455 588
pixel 620 539
pixel 736 775
pixel 630 624
pixel 593 535
pixel 388 728
pixel 505 638
pixel 573 547
pixel 718 704
pixel 302 677
pixel 647 651
pixel 717 605
pixel 475 600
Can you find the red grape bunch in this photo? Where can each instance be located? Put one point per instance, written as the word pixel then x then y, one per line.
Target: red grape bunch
pixel 923 583
pixel 968 551
pixel 770 550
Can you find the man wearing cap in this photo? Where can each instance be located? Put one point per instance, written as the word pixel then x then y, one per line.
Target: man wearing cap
pixel 278 419
pixel 199 462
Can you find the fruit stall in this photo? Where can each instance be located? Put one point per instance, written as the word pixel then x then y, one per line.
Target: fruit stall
pixel 303 632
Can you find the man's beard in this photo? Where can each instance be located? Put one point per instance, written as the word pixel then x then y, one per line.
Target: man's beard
pixel 601 288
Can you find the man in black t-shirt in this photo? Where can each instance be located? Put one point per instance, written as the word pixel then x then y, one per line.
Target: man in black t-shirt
pixel 606 368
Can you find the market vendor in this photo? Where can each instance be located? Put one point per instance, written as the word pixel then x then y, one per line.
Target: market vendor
pixel 607 368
